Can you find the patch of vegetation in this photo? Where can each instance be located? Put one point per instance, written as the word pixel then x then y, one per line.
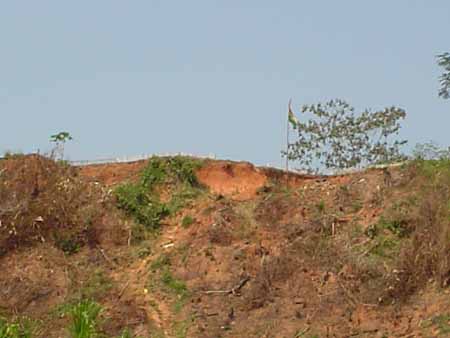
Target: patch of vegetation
pixel 168 282
pixel 144 252
pixel 137 201
pixel 41 200
pixel 69 246
pixel 162 261
pixel 96 286
pixel 180 329
pixel 396 227
pixel 84 317
pixel 24 328
pixel 8 155
pixel 187 221
pixel 386 247
pixel 415 231
pixel 441 322
pixel 126 333
pixel 320 206
pixel 142 200
pixel 176 286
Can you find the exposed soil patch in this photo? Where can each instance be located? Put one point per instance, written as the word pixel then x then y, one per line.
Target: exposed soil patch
pixel 110 174
pixel 238 181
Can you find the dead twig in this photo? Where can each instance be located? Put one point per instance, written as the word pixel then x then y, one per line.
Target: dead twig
pixel 129 237
pixel 105 256
pixel 123 289
pixel 232 290
pixel 301 333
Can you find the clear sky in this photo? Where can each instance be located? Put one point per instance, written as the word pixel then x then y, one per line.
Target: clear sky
pixel 205 76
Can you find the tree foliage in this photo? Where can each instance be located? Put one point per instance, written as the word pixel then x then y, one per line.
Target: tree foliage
pixel 334 137
pixel 62 136
pixel 444 79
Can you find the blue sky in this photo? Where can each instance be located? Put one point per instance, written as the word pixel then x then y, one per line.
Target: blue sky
pixel 204 76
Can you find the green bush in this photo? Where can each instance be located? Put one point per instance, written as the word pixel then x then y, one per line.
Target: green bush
pixel 142 201
pixel 176 169
pixel 139 203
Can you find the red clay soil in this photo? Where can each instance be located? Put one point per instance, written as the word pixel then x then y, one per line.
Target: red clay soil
pixel 113 173
pixel 239 181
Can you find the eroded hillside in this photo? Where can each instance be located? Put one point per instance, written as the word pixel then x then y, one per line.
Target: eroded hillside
pixel 181 247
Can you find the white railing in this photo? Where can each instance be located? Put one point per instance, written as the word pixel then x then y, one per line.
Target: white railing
pixel 128 159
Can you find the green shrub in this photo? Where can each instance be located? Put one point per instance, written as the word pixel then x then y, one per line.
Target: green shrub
pixel 398 227
pixel 154 173
pixel 140 204
pixel 142 201
pixel 176 169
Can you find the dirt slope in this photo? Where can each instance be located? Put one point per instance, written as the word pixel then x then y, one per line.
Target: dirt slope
pixel 255 253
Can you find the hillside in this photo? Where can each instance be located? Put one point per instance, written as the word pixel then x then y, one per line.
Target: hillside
pixel 182 247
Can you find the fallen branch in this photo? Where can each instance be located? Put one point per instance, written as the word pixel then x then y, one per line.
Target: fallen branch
pixel 232 290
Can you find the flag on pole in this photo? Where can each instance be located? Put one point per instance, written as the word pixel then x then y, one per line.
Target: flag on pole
pixel 291 117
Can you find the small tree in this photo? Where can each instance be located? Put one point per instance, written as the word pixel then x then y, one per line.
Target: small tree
pixel 444 79
pixel 60 140
pixel 334 137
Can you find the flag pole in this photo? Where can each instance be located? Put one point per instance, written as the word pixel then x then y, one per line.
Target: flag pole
pixel 287 138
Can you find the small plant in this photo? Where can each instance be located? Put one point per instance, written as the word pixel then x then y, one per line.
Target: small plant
pixel 396 227
pixel 9 155
pixel 60 140
pixel 174 285
pixel 84 319
pixel 15 329
pixel 144 252
pixel 69 246
pixel 187 221
pixel 181 328
pixel 320 206
pixel 442 322
pixel 162 261
pixel 169 283
pixel 126 334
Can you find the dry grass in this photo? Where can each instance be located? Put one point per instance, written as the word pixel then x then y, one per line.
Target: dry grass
pixel 41 200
